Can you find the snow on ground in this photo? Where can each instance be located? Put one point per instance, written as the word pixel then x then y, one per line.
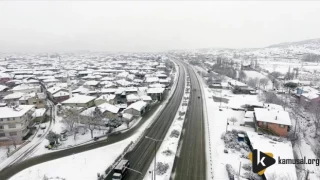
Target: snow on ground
pixel 35 140
pixel 217 125
pixel 255 74
pixel 84 165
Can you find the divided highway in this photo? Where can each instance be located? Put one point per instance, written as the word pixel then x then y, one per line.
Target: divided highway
pixel 140 157
pixel 190 164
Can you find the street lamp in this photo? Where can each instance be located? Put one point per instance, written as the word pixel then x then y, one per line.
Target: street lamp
pixel 155 153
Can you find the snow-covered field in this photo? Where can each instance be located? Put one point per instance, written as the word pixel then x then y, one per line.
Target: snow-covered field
pixel 255 74
pixel 84 165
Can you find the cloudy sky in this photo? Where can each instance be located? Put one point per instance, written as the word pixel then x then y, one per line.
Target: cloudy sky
pixel 153 26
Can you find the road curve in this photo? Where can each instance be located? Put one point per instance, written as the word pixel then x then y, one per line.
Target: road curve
pixel 142 155
pixel 9 171
pixel 190 164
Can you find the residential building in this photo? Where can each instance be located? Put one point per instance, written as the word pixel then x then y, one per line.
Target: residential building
pixel 37 99
pixel 79 101
pixel 14 123
pixel 136 109
pixel 106 98
pixel 272 121
pixel 27 88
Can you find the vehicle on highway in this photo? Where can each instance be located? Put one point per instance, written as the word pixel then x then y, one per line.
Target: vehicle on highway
pixel 120 170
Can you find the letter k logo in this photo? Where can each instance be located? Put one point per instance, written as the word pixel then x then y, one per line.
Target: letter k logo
pixel 261 161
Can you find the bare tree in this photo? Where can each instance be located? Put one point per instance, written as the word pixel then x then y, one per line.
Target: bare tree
pixel 233 120
pixel 242 76
pixel 71 117
pixel 252 83
pixel 264 82
pixel 93 120
pixel 70 120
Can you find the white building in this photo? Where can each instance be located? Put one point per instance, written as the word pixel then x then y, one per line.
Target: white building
pixel 14 122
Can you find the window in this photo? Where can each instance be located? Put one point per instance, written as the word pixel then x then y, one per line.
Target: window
pixel 40 102
pixel 2 134
pixel 1 127
pixel 1 120
pixel 12 133
pixel 281 125
pixel 34 102
pixel 12 125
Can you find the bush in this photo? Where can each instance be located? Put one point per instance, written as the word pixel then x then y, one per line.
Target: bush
pixel 162 168
pixel 167 152
pixel 175 133
pixel 247 166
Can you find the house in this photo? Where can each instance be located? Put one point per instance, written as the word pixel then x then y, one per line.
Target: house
pixel 146 99
pixel 156 93
pixel 14 123
pixel 39 115
pixel 4 77
pixel 127 117
pixel 60 96
pixel 131 98
pixel 106 98
pixel 136 109
pixel 79 101
pixel 272 121
pixel 308 95
pixel 37 99
pixel 27 88
pixel 13 98
pixel 109 110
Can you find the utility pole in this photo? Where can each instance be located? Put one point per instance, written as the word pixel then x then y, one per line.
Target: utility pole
pixel 155 154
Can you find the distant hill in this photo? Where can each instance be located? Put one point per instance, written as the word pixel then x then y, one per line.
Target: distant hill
pixel 304 43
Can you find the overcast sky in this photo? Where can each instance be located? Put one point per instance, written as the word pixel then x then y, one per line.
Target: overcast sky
pixel 153 26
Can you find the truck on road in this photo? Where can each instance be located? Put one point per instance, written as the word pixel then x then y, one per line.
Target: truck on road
pixel 120 170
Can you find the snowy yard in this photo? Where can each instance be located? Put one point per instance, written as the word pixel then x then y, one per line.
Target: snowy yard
pixel 255 74
pixel 84 165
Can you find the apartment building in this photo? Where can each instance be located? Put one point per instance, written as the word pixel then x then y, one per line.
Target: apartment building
pixel 14 123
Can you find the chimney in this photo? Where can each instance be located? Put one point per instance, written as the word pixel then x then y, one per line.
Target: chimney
pixel 276 117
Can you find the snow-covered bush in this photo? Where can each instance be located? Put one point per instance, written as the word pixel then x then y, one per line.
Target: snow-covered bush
pixel 167 152
pixel 162 168
pixel 231 141
pixel 175 133
pixel 247 166
pixel 231 172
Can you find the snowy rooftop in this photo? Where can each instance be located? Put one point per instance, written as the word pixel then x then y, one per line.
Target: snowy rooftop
pixel 91 83
pixel 39 112
pixel 146 98
pixel 107 97
pixel 79 99
pixel 60 94
pixel 278 149
pixel 155 90
pixel 15 95
pixel 132 97
pixel 139 105
pixel 8 112
pixel 25 87
pixel 272 116
pixel 108 107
